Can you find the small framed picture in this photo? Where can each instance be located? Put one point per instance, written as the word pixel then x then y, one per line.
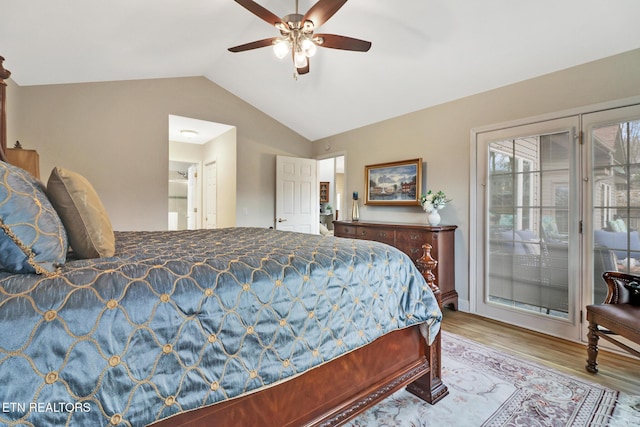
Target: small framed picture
pixel 394 183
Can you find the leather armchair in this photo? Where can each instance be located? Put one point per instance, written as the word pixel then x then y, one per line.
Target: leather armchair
pixel 618 315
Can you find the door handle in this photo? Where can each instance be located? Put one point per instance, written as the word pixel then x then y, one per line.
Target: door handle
pixel 282 219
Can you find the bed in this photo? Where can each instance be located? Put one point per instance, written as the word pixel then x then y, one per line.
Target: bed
pixel 237 326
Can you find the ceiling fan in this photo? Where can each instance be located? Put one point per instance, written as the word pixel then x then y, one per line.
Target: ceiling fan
pixel 297 33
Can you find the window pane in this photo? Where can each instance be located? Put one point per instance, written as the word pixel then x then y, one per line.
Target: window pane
pixel 500 161
pixel 529 206
pixel 608 149
pixel 616 201
pixel 555 150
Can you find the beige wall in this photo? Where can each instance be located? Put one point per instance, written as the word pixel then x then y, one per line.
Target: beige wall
pixel 223 151
pixel 441 136
pixel 116 134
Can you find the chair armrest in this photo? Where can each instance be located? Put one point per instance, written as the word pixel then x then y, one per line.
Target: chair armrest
pixel 616 281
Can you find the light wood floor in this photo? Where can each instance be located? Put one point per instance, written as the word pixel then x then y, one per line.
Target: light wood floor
pixel 615 371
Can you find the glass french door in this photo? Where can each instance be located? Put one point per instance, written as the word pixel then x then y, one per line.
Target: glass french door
pixel 613 200
pixel 528 188
pixel 554 212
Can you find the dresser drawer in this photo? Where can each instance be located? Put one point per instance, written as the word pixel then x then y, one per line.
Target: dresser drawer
pixel 342 230
pixel 410 242
pixel 412 237
pixel 414 252
pixel 383 235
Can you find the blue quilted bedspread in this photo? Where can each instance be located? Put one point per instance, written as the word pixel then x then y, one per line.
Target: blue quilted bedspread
pixel 180 320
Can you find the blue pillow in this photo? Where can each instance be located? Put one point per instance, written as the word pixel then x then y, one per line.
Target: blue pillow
pixel 620 242
pixel 513 243
pixel 527 234
pixel 32 237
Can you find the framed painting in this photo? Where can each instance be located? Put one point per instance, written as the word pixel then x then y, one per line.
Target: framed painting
pixel 394 183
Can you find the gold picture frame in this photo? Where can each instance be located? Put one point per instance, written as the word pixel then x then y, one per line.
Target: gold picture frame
pixel 393 183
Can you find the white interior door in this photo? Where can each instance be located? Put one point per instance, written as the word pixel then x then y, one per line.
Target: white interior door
pixel 297 203
pixel 211 192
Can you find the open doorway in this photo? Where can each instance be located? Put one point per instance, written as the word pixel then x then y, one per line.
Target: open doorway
pixel 202 174
pixel 331 177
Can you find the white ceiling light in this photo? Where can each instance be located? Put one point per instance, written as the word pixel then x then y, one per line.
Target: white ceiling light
pixel 297 37
pixel 188 133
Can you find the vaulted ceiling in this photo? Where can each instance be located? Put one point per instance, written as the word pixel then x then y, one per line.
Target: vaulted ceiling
pixel 424 52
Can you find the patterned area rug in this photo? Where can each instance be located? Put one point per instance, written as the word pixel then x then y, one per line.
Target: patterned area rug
pixel 491 388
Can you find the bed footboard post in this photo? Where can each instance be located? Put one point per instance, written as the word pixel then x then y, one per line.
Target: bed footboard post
pixel 430 387
pixel 4 74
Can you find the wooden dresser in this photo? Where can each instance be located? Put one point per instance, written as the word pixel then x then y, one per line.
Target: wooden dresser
pixel 25 159
pixel 409 238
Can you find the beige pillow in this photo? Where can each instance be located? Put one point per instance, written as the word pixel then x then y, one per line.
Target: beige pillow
pixel 88 226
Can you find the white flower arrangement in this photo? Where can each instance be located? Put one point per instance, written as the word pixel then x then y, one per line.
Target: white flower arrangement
pixel 433 201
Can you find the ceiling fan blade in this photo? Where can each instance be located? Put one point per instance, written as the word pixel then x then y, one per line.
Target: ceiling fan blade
pixel 253 45
pixel 260 11
pixel 303 70
pixel 322 11
pixel 343 42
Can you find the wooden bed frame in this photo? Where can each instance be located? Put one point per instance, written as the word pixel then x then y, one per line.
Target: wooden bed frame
pixel 339 390
pixel 4 74
pixel 332 393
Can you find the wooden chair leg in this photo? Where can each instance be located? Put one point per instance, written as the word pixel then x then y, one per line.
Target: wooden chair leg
pixel 592 348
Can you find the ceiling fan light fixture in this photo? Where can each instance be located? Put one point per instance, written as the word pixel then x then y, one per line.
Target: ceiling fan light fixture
pixel 281 48
pixel 297 33
pixel 309 47
pixel 299 59
pixel 308 26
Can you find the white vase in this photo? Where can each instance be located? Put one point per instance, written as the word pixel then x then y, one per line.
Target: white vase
pixel 434 217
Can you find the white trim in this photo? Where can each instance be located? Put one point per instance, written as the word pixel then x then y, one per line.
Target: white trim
pixel 473 234
pixel 587 109
pixel 331 155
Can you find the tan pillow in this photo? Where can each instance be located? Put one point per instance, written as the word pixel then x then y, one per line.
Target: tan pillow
pixel 88 226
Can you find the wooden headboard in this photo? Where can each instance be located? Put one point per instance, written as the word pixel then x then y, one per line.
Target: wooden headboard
pixel 4 74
